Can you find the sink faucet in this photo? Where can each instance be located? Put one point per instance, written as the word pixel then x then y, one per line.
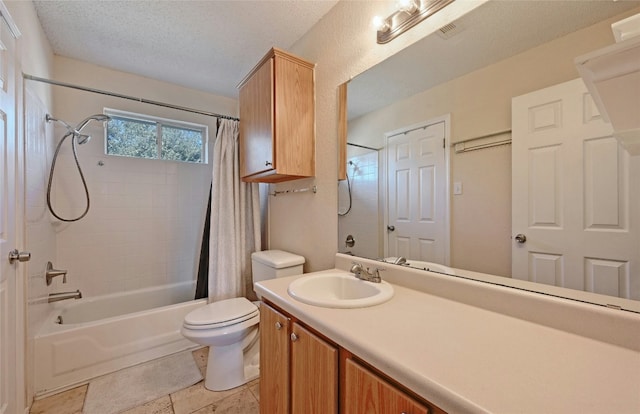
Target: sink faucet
pixel 366 274
pixel 400 261
pixel 55 297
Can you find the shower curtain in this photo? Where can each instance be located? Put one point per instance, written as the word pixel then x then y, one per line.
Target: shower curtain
pixel 235 220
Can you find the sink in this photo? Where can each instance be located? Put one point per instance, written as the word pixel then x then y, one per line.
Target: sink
pixel 339 290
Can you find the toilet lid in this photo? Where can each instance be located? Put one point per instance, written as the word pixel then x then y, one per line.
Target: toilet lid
pixel 223 313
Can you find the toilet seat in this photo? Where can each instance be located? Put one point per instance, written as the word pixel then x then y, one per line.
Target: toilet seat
pixel 220 314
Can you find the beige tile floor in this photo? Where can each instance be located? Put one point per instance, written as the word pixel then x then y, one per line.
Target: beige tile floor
pixel 192 400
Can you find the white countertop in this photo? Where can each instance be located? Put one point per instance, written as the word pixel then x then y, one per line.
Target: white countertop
pixel 465 358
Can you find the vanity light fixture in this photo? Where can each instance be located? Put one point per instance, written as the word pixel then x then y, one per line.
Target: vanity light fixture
pixel 408 14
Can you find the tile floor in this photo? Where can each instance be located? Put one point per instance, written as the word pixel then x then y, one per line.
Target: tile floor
pixel 192 400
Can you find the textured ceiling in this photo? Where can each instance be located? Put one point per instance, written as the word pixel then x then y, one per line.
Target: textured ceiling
pixel 204 45
pixel 487 34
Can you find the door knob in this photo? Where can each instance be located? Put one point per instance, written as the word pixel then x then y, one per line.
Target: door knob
pixel 278 325
pixel 294 337
pixel 391 228
pixel 19 256
pixel 521 238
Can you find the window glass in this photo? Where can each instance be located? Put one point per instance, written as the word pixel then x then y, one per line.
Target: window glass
pixel 181 144
pixel 142 136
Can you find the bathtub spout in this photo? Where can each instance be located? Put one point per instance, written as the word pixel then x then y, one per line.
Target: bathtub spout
pixel 55 297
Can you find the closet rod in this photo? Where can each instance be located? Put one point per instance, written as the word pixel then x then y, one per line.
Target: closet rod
pixel 460 146
pixel 493 134
pixel 131 98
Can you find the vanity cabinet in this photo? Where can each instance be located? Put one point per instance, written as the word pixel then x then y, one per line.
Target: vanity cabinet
pixel 277 119
pixel 298 369
pixel 365 392
pixel 274 361
pixel 301 372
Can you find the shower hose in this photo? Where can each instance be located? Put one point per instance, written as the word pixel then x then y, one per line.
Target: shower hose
pixel 84 183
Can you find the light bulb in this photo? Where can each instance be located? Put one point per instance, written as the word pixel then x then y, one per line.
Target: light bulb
pixel 407 6
pixel 380 24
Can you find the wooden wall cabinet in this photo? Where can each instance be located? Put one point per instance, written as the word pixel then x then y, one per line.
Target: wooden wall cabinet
pixel 277 119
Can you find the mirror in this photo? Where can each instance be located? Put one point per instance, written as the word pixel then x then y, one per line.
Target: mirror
pixel 459 82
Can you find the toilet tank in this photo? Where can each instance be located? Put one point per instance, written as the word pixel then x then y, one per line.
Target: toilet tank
pixel 270 264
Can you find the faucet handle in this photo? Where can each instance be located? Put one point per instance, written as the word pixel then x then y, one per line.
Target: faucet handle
pixel 376 274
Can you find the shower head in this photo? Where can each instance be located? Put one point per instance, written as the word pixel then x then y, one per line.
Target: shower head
pixel 82 138
pixel 96 117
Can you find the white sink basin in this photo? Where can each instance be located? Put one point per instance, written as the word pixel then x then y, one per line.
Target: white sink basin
pixel 339 290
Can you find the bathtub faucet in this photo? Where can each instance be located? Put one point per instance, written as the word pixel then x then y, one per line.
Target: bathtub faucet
pixel 51 273
pixel 55 297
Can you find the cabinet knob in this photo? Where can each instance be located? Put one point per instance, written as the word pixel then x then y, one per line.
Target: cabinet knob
pixel 278 325
pixel 268 163
pixel 294 337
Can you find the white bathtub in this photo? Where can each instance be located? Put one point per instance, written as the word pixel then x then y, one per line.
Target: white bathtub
pixel 106 333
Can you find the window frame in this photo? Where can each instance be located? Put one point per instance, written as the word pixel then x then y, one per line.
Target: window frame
pixel 159 123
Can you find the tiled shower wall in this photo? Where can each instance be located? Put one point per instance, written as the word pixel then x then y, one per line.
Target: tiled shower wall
pixel 362 221
pixel 144 226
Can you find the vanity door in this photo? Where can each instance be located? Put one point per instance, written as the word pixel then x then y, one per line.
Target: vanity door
pixel 274 361
pixel 365 392
pixel 314 373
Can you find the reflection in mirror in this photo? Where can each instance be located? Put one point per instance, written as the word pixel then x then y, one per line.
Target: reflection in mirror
pixel 471 71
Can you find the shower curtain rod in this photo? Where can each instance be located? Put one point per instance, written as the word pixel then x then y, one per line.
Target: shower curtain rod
pixel 362 146
pixel 131 98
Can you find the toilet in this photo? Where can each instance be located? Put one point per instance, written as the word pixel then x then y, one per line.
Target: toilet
pixel 230 327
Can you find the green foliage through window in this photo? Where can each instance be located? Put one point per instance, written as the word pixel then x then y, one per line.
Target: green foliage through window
pixel 148 137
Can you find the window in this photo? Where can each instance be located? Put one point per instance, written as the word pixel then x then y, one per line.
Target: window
pixel 143 136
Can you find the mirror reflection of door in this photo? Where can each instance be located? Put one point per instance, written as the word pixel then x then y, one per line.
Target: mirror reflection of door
pixel 417 219
pixel 571 195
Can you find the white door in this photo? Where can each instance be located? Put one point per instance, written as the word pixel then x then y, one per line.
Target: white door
pixel 575 195
pixel 417 203
pixel 11 383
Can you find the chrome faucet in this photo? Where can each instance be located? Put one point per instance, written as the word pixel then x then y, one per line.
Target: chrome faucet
pixel 366 274
pixel 55 297
pixel 51 273
pixel 400 261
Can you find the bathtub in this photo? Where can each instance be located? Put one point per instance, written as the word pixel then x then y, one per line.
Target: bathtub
pixel 103 334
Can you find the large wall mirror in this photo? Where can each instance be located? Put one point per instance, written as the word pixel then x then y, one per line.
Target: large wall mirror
pixel 435 156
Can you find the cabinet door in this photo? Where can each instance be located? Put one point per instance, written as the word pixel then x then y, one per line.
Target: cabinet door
pixel 314 374
pixel 274 361
pixel 294 118
pixel 256 126
pixel 365 392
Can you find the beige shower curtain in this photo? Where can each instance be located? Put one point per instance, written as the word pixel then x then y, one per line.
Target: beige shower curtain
pixel 235 220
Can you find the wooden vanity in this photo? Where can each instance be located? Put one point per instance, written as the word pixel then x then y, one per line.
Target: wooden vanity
pixel 446 344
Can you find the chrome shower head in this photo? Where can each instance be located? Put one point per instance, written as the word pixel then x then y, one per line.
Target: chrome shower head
pixel 82 138
pixel 96 117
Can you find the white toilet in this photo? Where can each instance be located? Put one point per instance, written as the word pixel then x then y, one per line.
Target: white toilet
pixel 230 327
